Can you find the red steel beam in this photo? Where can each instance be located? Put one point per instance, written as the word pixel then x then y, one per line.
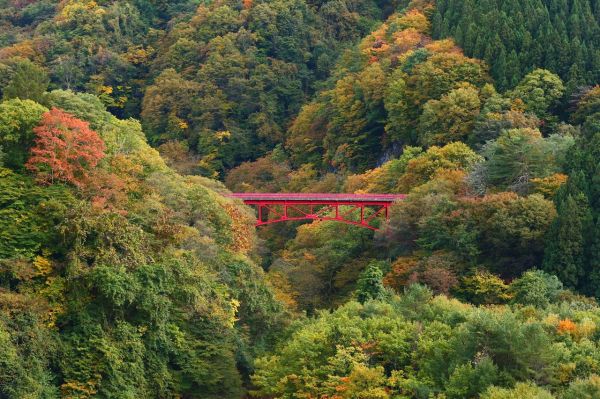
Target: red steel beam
pixel 319 197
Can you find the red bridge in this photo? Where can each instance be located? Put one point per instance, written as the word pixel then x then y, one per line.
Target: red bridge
pixel 356 209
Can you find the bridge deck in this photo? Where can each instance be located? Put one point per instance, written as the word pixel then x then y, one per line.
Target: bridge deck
pixel 318 197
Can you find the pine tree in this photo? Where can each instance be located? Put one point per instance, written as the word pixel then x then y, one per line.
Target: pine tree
pixel 513 69
pixel 565 249
pixel 549 34
pixel 593 261
pixel 499 70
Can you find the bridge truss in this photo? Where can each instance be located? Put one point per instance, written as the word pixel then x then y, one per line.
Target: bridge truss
pixel 356 209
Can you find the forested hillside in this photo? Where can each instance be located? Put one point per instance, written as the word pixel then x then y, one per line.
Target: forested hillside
pixel 120 278
pixel 516 36
pixel 224 78
pixel 126 271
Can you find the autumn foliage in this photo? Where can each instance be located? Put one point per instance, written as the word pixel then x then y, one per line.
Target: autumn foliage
pixel 65 149
pixel 128 271
pixel 566 326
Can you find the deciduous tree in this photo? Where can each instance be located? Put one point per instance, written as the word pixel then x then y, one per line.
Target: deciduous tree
pixel 450 118
pixel 28 82
pixel 17 121
pixel 65 149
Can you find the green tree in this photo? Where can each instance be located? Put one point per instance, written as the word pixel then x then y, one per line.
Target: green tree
pixel 520 155
pixel 539 90
pixel 28 82
pixel 503 231
pixel 355 130
pixel 166 108
pixel 587 105
pixel 588 388
pixel 468 380
pixel 541 34
pixel 369 284
pixel 565 248
pixel 17 120
pixel 451 118
pixel 28 213
pixel 536 288
pixel 430 79
pixel 26 349
pixel 521 390
pixel 483 288
pixel 323 262
pixel 436 161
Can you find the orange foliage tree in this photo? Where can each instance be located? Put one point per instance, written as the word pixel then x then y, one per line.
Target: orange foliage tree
pixel 65 149
pixel 566 326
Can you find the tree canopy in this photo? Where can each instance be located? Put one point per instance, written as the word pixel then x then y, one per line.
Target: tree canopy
pixel 128 271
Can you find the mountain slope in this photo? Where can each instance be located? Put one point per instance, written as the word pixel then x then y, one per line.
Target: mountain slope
pixel 130 280
pixel 515 37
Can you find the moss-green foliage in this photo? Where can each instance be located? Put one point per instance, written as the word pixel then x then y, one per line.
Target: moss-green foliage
pixel 17 120
pixel 192 70
pixel 26 350
pixel 518 156
pixel 584 388
pixel 420 346
pixel 323 262
pixel 28 81
pixel 369 285
pixel 142 286
pixel 140 282
pixel 29 215
pixel 150 331
pixel 572 251
pixel 503 232
pixel 536 288
pixel 521 390
pixel 515 36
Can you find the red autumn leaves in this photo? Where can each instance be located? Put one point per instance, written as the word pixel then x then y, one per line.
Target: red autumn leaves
pixel 65 149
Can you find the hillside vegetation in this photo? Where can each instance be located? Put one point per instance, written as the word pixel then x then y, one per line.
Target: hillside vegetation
pixel 127 272
pixel 119 277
